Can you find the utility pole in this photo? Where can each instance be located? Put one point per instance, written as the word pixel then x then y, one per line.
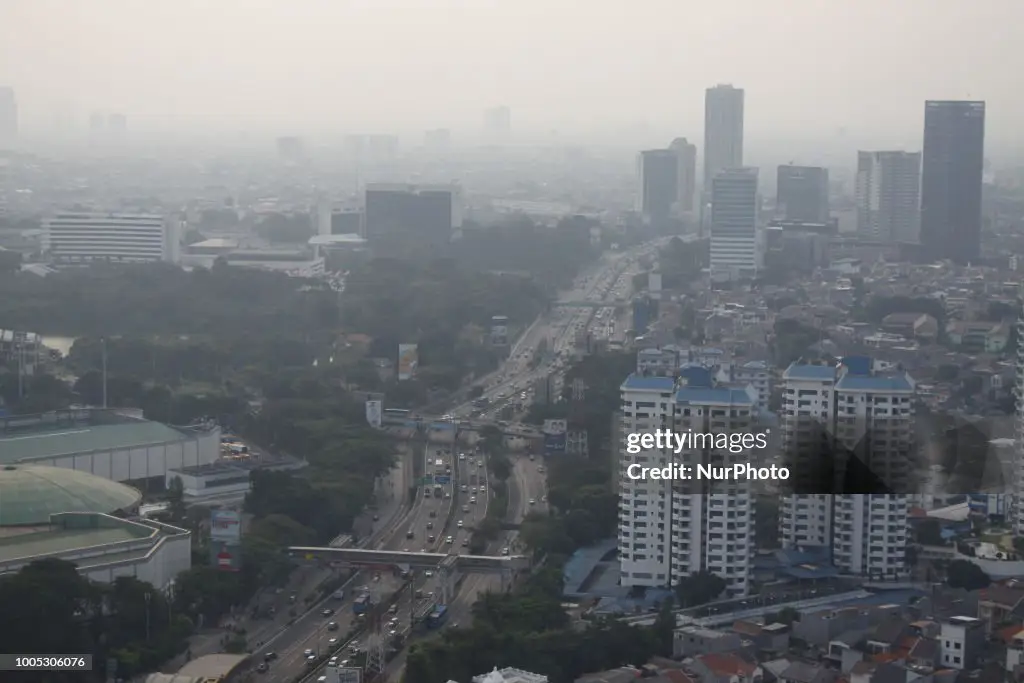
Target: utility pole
pixel 103 353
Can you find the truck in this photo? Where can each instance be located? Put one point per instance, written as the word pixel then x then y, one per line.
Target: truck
pixel 362 604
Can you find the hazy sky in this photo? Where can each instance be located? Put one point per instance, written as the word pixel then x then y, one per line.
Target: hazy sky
pixel 809 66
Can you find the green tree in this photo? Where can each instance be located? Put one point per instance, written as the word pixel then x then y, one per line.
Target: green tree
pixel 699 588
pixel 967 575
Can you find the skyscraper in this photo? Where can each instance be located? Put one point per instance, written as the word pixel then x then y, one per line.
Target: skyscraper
pixel 952 163
pixel 8 114
pixel 888 195
pixel 658 172
pixel 497 121
pixel 802 194
pixel 686 174
pixel 734 248
pixel 723 130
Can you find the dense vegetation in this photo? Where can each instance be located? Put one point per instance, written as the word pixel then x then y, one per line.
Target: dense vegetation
pixel 161 299
pixel 552 255
pixel 530 630
pixel 49 608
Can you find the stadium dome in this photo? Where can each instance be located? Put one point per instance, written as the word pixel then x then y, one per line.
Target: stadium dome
pixel 29 494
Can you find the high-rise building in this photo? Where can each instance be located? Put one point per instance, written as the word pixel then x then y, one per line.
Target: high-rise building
pixel 498 121
pixel 117 124
pixel 413 217
pixel 686 174
pixel 734 240
pixel 290 149
pixel 1018 498
pixel 888 195
pixel 802 194
pixel 8 114
pixel 671 528
pixel 723 130
pixel 81 237
pixel 952 163
pixel 658 171
pixel 831 414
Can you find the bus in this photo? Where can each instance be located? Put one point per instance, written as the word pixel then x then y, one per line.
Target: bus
pixel 361 604
pixel 439 466
pixel 438 491
pixel 437 618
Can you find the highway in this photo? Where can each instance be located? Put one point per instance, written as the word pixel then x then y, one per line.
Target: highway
pixel 429 516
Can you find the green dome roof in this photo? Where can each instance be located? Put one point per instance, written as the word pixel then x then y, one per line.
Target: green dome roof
pixel 29 494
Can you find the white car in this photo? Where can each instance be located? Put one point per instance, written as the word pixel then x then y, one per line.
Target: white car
pixel 460 524
pixel 473 500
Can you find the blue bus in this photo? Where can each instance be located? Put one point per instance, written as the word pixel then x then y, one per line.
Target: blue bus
pixel 437 618
pixel 361 604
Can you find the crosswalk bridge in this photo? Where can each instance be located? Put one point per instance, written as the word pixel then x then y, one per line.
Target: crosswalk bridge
pixel 449 566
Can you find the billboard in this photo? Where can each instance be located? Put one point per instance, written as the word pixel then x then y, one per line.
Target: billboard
pixel 374 413
pixel 499 330
pixel 349 675
pixel 408 360
pixel 555 436
pixel 225 526
pixel 226 557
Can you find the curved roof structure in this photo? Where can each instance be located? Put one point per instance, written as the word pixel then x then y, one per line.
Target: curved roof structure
pixel 29 494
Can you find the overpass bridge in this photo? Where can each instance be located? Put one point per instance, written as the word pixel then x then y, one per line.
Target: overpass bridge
pixel 449 566
pixel 435 425
pixel 587 304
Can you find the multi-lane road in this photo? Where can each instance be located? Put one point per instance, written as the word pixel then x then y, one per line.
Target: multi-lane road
pixel 443 519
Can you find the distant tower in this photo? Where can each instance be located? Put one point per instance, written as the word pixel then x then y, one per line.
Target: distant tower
pixel 723 131
pixel 498 122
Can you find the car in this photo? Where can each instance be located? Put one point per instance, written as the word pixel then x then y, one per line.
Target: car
pixel 332 642
pixel 308 652
pixel 311 661
pixel 465 508
pixel 433 514
pixel 333 661
pixel 473 500
pixel 462 456
pixel 431 538
pixel 447 494
pixel 326 612
pixel 533 502
pixel 461 524
pixel 428 573
pixel 449 540
pixel 465 489
pixel 269 656
pixel 504 551
pixel 540 468
pixel 332 626
pixel 262 668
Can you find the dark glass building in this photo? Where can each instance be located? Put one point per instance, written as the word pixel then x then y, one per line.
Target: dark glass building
pixel 951 172
pixel 401 218
pixel 802 194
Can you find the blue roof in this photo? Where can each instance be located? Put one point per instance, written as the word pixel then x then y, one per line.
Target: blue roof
pixel 717 395
pixel 639 382
pixel 858 365
pixel 861 383
pixel 818 372
pixel 695 375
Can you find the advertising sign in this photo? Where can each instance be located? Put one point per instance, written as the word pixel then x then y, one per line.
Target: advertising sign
pixel 555 427
pixel 554 444
pixel 225 526
pixel 226 557
pixel 408 360
pixel 350 675
pixel 499 330
pixel 374 413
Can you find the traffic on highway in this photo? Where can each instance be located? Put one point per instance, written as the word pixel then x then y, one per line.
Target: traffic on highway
pixel 452 499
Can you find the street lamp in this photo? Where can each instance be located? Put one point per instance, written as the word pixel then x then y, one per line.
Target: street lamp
pixel 148 596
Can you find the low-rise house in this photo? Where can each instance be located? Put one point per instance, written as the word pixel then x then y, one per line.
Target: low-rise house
pixel 690 641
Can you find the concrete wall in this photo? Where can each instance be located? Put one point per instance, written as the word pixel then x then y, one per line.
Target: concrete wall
pixel 142 462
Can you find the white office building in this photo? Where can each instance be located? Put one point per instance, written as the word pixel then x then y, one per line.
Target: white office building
pixel 735 251
pixel 831 410
pixel 83 237
pixel 669 529
pixel 888 189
